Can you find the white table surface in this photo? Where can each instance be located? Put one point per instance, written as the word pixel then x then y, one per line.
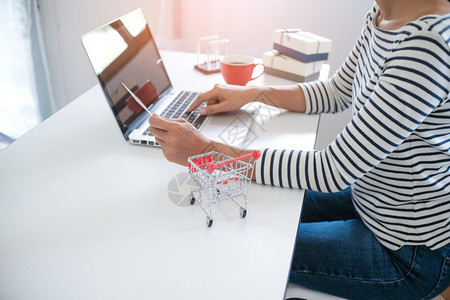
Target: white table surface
pixel 86 216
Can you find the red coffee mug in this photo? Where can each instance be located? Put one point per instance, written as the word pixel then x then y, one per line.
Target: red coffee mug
pixel 238 69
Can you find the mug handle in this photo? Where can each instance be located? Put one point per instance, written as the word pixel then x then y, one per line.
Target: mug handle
pixel 263 70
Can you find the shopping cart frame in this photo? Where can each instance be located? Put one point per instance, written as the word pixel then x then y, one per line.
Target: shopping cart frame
pixel 220 177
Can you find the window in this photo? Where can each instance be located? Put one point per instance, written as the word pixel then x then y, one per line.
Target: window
pixel 19 108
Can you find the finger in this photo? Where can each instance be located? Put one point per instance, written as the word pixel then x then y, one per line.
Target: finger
pixel 167 123
pixel 159 133
pixel 213 109
pixel 208 97
pixel 179 120
pixel 160 141
pixel 156 121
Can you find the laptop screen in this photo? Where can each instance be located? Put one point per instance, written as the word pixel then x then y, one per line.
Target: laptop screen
pixel 125 51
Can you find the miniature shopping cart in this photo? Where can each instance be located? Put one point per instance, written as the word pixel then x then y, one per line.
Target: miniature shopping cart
pixel 221 177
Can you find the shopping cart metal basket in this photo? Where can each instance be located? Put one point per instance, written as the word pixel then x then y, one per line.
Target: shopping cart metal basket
pixel 221 177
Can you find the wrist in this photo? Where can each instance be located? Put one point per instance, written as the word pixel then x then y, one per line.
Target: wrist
pixel 255 94
pixel 267 95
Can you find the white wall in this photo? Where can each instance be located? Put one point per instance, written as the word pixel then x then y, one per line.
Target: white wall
pixel 247 23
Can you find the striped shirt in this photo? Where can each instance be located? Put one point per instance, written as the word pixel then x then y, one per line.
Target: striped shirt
pixel 395 152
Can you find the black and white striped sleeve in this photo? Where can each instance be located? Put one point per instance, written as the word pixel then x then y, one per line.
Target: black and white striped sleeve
pixel 412 83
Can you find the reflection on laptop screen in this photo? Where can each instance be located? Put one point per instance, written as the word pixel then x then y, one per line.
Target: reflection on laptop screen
pixel 125 51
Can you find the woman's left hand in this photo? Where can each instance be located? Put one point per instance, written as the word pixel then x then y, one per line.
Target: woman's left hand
pixel 178 139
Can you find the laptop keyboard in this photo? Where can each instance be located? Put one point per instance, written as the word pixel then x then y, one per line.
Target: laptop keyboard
pixel 177 110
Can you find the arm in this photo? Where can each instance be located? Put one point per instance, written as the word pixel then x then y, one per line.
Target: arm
pixel 224 98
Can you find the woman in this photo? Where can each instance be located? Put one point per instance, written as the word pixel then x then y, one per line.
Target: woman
pixel 376 214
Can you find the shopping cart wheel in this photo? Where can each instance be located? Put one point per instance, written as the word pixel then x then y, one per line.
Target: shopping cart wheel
pixel 192 200
pixel 209 221
pixel 243 213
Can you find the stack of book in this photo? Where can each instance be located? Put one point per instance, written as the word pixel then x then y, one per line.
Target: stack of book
pixel 297 55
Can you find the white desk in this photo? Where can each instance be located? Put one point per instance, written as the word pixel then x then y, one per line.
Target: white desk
pixel 88 217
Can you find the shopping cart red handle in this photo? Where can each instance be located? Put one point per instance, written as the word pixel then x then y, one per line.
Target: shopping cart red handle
pixel 212 166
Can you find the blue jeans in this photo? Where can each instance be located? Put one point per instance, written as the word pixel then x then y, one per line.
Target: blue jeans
pixel 335 253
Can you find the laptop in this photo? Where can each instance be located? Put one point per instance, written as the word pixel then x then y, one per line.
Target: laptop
pixel 123 54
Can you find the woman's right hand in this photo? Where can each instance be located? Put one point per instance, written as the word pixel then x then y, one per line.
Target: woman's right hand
pixel 224 98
